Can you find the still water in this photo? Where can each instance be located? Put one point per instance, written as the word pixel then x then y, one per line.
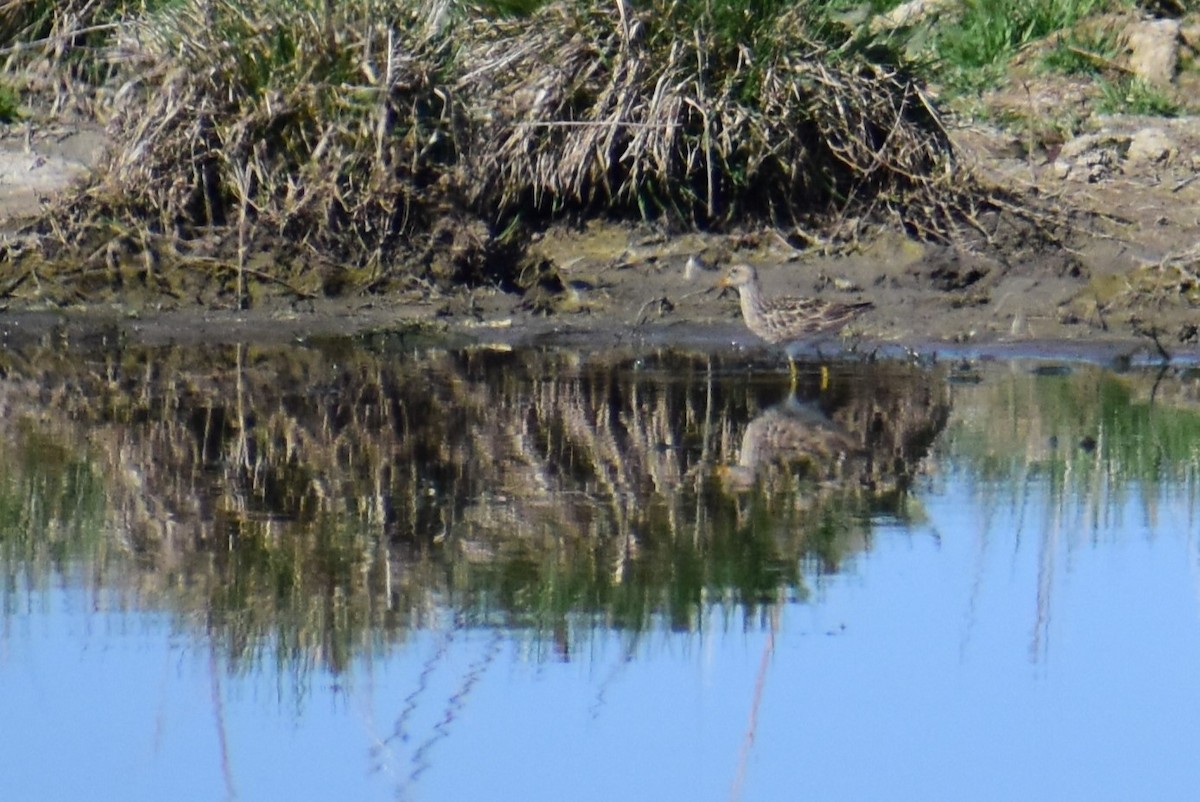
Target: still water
pixel 367 571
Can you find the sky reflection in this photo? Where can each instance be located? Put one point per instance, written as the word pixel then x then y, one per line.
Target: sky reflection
pixel 943 662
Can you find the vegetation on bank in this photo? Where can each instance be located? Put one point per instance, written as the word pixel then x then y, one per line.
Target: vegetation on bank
pixel 363 131
pixel 440 134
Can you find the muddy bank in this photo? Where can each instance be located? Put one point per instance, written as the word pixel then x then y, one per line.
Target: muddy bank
pixel 931 301
pixel 1123 273
pixel 647 306
pixel 629 290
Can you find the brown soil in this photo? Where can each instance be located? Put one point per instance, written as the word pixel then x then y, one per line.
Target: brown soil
pixel 1129 267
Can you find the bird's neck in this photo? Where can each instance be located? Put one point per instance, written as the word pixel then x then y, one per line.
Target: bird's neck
pixel 751 298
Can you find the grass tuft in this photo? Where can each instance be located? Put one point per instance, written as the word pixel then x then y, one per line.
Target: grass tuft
pixel 1130 95
pixel 974 50
pixel 10 104
pixel 365 132
pixel 1079 53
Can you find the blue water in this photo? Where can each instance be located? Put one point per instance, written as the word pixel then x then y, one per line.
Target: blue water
pixel 969 657
pixel 1015 637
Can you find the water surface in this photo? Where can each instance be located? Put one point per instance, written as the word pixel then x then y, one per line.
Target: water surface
pixel 392 572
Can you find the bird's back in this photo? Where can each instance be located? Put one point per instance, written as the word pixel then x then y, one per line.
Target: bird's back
pixel 789 317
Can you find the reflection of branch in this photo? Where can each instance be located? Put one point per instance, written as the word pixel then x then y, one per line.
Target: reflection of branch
pixel 454 706
pixel 760 683
pixel 601 699
pixel 1162 372
pixel 410 701
pixel 400 727
pixel 219 711
pixel 1039 647
pixel 1153 333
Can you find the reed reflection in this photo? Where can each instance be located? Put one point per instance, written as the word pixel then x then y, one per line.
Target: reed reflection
pixel 1062 453
pixel 307 505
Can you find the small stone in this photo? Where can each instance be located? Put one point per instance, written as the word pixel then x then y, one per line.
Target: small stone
pixel 1020 326
pixel 1189 34
pixel 1080 145
pixel 1154 50
pixel 1152 146
pixel 1096 165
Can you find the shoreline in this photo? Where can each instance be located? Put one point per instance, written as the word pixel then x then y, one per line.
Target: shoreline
pixel 91 330
pixel 622 284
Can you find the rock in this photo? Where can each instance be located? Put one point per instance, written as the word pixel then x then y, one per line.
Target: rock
pixel 42 166
pixel 1113 141
pixel 906 14
pixel 1091 157
pixel 1151 146
pixel 1096 165
pixel 1189 33
pixel 1153 47
pixel 1079 145
pixel 896 249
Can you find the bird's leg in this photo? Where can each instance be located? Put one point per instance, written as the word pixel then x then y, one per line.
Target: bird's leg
pixel 793 372
pixel 824 377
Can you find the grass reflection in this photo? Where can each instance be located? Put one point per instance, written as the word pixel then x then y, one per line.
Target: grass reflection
pixel 52 506
pixel 1088 435
pixel 1063 453
pixel 302 507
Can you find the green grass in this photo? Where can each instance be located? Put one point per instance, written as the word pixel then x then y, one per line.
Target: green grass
pixel 1070 54
pixel 1139 444
pixel 10 104
pixel 973 52
pixel 52 508
pixel 1128 95
pixel 513 8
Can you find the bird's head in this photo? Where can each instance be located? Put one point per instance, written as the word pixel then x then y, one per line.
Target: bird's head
pixel 737 276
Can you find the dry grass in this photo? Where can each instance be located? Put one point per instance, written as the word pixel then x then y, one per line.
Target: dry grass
pixel 56 54
pixel 604 108
pixel 360 134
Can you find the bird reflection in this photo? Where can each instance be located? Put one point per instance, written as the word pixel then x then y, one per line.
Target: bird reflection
pixel 791 433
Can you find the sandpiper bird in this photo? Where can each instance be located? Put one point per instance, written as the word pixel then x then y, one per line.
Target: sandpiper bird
pixel 786 318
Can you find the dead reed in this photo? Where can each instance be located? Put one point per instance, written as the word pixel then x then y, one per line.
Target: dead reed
pixel 349 137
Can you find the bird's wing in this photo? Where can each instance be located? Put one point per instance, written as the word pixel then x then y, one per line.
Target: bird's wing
pixel 793 315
